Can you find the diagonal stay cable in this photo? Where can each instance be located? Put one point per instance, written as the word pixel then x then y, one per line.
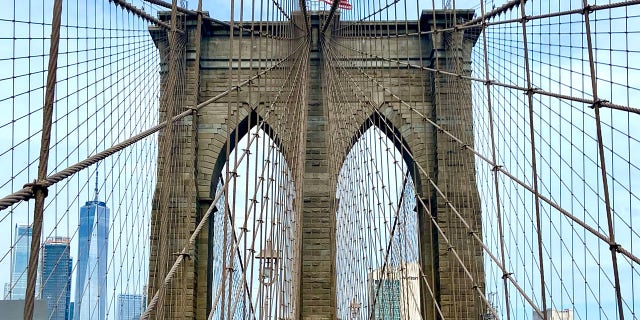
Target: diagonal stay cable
pixel 600 103
pixel 252 203
pixel 27 192
pixel 219 22
pixel 192 239
pixel 131 8
pixel 472 232
pixel 341 88
pixel 504 171
pixel 389 244
pixel 363 100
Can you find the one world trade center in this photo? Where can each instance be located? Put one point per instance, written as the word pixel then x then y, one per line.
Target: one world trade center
pixel 93 248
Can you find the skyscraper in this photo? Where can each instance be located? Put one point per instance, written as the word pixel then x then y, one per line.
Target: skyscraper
pixel 130 306
pixel 396 290
pixel 18 285
pixel 93 248
pixel 7 288
pixel 56 277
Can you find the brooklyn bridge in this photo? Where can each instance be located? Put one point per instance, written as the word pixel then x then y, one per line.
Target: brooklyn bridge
pixel 333 159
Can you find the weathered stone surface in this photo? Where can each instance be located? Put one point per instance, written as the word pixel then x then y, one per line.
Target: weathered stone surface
pixel 198 155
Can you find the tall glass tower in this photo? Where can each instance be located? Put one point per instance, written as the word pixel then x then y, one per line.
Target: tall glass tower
pixel 93 248
pixel 18 285
pixel 396 290
pixel 56 277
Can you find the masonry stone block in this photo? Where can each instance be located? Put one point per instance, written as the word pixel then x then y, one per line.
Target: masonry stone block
pixel 411 95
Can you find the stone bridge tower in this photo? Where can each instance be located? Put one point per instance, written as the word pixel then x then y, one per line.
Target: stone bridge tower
pixel 413 94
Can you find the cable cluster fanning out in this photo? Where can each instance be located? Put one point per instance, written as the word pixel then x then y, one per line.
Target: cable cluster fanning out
pixel 338 159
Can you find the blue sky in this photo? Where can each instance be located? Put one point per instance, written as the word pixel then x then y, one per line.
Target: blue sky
pixel 115 61
pixel 105 59
pixel 567 154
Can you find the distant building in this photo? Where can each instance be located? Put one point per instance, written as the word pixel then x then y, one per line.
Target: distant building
pixel 130 306
pixel 396 292
pixel 15 290
pixel 7 288
pixel 56 277
pixel 13 309
pixel 552 314
pixel 93 250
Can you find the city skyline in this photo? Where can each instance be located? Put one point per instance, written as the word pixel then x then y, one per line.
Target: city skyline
pixel 83 275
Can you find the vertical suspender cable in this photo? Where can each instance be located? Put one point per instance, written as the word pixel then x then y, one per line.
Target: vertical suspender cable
pixel 493 158
pixel 534 166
